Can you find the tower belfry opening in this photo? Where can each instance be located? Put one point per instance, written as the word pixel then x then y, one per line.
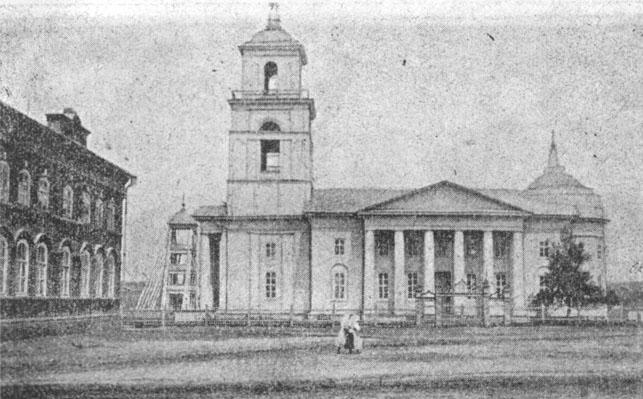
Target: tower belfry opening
pixel 270 77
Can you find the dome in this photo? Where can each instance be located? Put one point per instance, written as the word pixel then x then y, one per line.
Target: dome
pixel 554 176
pixel 556 179
pixel 272 35
pixel 182 218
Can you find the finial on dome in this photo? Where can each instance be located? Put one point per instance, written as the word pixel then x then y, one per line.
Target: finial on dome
pixel 273 17
pixel 552 162
pixel 183 202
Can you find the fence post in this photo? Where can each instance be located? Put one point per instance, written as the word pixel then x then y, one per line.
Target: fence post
pixel 292 313
pixel 332 316
pixel 542 313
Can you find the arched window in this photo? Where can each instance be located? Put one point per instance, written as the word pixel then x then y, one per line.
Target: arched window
pixel 85 260
pixel 24 188
pixel 41 269
pixel 111 215
pixel 96 276
pixel 22 263
pixel 4 264
pixel 4 180
pixel 270 77
pixel 99 214
pixel 65 267
pixel 85 208
pixel 43 193
pixel 270 127
pixel 108 276
pixel 339 282
pixel 68 202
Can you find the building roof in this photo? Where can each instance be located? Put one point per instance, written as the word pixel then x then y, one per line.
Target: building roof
pixel 182 218
pixel 554 175
pixel 210 211
pixel 273 36
pixel 349 200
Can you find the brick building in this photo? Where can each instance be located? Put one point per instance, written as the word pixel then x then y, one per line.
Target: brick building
pixel 62 219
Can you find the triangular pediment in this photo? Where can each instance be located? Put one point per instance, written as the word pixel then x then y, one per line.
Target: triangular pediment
pixel 444 198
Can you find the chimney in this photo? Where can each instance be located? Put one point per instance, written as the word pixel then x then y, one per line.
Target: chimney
pixel 68 124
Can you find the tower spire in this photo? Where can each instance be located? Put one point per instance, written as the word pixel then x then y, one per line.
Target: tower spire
pixel 552 162
pixel 273 17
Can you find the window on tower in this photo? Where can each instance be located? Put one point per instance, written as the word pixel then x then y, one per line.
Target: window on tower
pixel 270 77
pixel 270 156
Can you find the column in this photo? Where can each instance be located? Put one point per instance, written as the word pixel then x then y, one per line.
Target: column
pixel 398 269
pixel 487 263
pixel 517 273
pixel 429 270
pixel 459 283
pixel 429 262
pixel 204 278
pixel 223 271
pixel 369 271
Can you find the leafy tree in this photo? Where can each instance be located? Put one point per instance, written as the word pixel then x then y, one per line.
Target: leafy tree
pixel 566 283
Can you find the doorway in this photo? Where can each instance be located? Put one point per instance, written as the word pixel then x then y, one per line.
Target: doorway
pixel 176 302
pixel 443 289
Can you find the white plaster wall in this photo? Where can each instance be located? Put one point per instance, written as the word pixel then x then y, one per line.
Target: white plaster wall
pixel 238 263
pixel 324 232
pixel 290 118
pixel 288 71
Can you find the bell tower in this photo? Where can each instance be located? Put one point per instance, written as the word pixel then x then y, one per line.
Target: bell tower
pixel 270 146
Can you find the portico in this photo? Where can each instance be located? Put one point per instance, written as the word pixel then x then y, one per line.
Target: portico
pixel 464 241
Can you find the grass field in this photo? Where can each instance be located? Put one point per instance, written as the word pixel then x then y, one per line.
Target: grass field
pixel 232 362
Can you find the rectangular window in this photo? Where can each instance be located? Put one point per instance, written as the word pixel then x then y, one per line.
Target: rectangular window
pixel 471 283
pixel 443 245
pixel 192 277
pixel 541 282
pixel 271 250
pixel 411 285
pixel 177 278
pixel 382 279
pixel 544 249
pixel 271 285
pixel 178 259
pixel 501 283
pixel 339 285
pixel 599 251
pixel 339 246
pixel 270 156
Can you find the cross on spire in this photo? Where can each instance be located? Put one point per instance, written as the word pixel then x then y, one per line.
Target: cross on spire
pixel 273 17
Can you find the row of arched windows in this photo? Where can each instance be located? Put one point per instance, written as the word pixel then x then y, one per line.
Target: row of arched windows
pixel 96 274
pixel 104 214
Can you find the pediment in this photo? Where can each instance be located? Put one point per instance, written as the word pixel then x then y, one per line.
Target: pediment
pixel 444 198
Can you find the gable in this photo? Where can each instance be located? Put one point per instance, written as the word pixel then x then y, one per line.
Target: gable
pixel 444 198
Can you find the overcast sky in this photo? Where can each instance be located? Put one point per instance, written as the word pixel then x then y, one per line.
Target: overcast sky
pixel 407 94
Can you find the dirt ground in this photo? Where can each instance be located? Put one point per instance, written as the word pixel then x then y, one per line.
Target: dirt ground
pixel 234 362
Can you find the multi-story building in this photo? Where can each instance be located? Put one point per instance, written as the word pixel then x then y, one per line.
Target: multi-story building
pixel 278 245
pixel 62 219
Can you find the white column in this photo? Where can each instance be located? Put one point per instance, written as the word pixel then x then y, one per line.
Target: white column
pixel 204 278
pixel 369 271
pixel 487 262
pixel 398 269
pixel 517 287
pixel 429 262
pixel 223 271
pixel 458 271
pixel 458 259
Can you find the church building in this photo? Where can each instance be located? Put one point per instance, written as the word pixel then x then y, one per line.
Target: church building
pixel 280 246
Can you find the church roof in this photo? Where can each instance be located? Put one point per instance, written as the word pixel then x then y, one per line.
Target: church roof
pixel 182 218
pixel 349 200
pixel 273 36
pixel 210 211
pixel 554 176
